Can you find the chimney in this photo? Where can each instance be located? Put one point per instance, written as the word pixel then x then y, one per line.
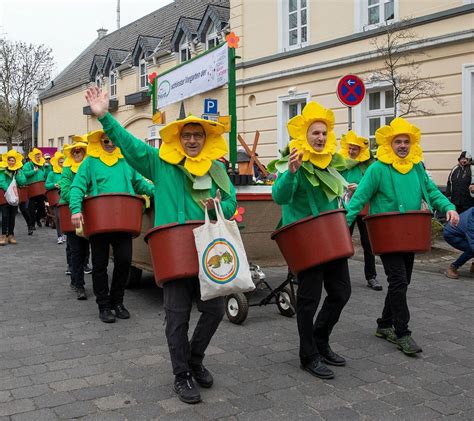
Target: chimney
pixel 101 33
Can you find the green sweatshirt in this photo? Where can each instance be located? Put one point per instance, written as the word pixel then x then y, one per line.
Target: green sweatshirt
pixel 31 175
pixel 295 194
pixel 48 169
pixel 378 187
pixel 65 182
pixel 171 194
pixel 94 178
pixel 6 178
pixel 52 179
pixel 353 175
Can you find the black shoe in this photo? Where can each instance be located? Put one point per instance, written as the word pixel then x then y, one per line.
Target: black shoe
pixel 318 369
pixel 121 312
pixel 186 390
pixel 328 356
pixel 81 294
pixel 202 375
pixel 30 230
pixel 87 270
pixel 374 284
pixel 67 272
pixel 106 316
pixel 408 346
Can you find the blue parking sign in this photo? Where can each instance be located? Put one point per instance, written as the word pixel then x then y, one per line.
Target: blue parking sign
pixel 210 106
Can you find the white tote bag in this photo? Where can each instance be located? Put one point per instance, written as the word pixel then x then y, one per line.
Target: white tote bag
pixel 11 195
pixel 223 265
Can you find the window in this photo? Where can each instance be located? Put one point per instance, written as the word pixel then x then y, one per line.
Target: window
pixel 212 38
pixel 288 107
pixel 379 11
pixel 113 84
pixel 142 73
pixel 98 81
pixel 184 51
pixel 468 107
pixel 60 142
pixel 51 143
pixel 379 112
pixel 295 23
pixel 69 139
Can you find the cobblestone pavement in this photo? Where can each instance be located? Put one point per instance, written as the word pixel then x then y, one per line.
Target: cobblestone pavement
pixel 58 361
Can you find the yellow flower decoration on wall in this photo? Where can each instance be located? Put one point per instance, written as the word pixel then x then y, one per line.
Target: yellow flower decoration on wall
pixel 32 155
pixel 69 161
pixel 298 128
pixel 384 137
pixel 215 146
pixel 55 162
pixel 352 138
pixel 12 153
pixel 96 150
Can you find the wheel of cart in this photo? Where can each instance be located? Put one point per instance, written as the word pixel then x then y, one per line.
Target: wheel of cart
pixel 237 305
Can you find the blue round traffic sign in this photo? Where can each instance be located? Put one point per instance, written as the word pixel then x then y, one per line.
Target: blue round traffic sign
pixel 350 90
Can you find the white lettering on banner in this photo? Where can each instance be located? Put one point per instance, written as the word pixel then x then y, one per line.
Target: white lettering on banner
pixel 202 74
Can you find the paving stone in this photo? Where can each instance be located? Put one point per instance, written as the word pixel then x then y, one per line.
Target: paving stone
pixel 117 401
pixel 38 415
pixel 30 391
pixel 16 406
pixel 75 409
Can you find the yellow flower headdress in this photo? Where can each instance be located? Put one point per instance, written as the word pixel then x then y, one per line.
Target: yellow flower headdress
pixel 32 154
pixel 55 162
pixel 352 138
pixel 215 146
pixel 384 137
pixel 298 128
pixel 12 153
pixel 96 150
pixel 69 161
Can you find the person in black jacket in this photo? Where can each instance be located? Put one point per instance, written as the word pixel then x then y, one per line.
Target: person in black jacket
pixel 459 185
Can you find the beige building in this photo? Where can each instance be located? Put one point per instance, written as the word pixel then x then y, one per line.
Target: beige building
pixel 292 51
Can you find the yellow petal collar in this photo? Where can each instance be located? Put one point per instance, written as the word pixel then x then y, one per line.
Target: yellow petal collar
pixel 12 153
pixel 384 136
pixel 55 162
pixel 352 138
pixel 69 162
pixel 298 129
pixel 108 158
pixel 32 154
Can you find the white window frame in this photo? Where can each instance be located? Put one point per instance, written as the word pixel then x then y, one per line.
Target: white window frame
pixel 51 142
pixel 142 73
pixel 212 35
pixel 283 24
pixel 362 112
pixel 184 45
pixel 113 84
pixel 361 15
pixel 98 81
pixel 283 103
pixel 468 107
pixel 69 139
pixel 60 142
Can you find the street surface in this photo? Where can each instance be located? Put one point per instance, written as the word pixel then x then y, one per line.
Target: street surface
pixel 58 361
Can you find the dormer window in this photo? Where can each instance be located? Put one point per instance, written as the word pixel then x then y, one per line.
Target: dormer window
pixel 142 73
pixel 184 51
pixel 212 38
pixel 98 81
pixel 113 84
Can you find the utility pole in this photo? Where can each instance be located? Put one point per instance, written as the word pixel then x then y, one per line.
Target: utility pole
pixel 118 14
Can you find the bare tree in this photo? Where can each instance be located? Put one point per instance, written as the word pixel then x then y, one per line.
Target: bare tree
pixel 24 68
pixel 401 69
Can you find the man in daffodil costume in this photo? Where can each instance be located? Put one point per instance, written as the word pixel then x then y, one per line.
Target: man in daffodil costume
pixel 397 182
pixel 52 182
pixel 12 161
pixel 105 171
pixel 186 175
pixel 355 149
pixel 34 171
pixel 308 182
pixel 77 247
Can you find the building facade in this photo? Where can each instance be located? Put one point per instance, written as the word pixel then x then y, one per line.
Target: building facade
pixel 291 52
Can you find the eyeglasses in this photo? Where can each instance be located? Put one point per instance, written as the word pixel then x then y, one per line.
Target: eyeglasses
pixel 188 136
pixel 75 151
pixel 105 141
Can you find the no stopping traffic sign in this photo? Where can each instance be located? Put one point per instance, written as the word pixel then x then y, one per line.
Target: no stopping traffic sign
pixel 350 90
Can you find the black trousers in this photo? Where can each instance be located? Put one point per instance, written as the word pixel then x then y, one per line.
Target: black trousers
pixel 398 268
pixel 335 278
pixel 78 247
pixel 369 259
pixel 178 297
pixel 68 253
pixel 121 244
pixel 8 219
pixel 36 209
pixel 24 211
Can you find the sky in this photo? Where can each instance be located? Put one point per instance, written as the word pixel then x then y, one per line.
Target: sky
pixel 67 26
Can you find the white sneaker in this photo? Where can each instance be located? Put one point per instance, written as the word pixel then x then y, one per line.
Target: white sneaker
pixel 60 240
pixel 64 238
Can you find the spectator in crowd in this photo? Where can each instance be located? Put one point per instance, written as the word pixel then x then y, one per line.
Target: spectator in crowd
pixel 460 186
pixel 461 237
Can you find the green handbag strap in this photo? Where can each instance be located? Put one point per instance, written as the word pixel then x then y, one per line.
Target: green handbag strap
pixel 181 193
